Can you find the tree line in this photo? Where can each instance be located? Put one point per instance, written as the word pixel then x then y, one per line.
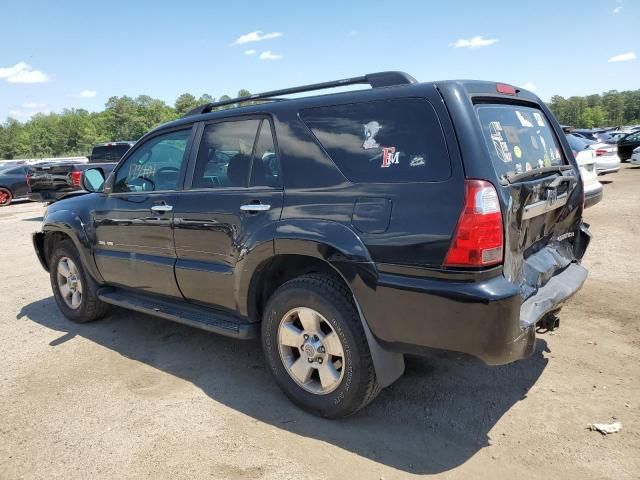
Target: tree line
pixel 610 109
pixel 74 131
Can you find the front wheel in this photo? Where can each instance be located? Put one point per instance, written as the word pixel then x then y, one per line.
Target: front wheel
pixel 5 197
pixel 316 347
pixel 74 290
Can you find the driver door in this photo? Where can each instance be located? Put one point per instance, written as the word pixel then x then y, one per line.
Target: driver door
pixel 134 222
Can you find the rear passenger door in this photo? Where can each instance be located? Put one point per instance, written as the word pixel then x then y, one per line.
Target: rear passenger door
pixel 232 198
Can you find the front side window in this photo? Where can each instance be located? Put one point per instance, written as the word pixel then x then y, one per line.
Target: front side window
pixel 383 141
pixel 155 165
pixel 236 153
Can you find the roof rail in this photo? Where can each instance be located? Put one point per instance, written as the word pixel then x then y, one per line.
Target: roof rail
pixel 376 80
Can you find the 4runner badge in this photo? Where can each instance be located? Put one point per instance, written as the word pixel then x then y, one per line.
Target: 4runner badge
pixel 389 156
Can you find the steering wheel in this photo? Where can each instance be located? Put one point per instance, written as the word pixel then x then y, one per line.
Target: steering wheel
pixel 169 174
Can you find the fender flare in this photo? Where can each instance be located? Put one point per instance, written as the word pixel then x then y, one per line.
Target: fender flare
pixel 72 225
pixel 340 247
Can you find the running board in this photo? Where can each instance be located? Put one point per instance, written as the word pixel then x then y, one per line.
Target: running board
pixel 181 312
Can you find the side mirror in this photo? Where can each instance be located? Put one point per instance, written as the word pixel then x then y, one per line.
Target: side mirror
pixel 93 180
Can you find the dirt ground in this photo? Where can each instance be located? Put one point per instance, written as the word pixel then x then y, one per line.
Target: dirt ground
pixel 138 397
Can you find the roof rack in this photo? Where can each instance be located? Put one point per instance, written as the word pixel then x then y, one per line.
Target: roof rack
pixel 376 80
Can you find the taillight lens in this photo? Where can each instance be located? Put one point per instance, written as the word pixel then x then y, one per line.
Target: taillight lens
pixel 505 89
pixel 600 153
pixel 478 238
pixel 575 154
pixel 75 178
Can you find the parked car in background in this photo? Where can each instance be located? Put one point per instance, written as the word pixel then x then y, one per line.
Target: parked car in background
pixel 601 135
pixel 586 158
pixel 627 144
pixel 13 184
pixel 49 182
pixel 607 160
pixel 635 157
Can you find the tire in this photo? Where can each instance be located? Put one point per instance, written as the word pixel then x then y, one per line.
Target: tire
pixel 5 197
pixel 330 304
pixel 88 307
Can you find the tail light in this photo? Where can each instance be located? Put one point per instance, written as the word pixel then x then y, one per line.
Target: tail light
pixel 600 152
pixel 76 176
pixel 575 154
pixel 478 238
pixel 505 89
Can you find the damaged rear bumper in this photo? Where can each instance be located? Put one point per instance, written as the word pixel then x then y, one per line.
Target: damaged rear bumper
pixel 487 319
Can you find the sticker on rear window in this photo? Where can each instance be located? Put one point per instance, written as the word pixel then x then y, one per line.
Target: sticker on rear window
pixel 417 161
pixel 371 129
pixel 517 152
pixel 538 118
pixel 502 149
pixel 524 121
pixel 390 157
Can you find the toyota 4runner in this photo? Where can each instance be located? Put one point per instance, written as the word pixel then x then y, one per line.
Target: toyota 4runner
pixel 344 230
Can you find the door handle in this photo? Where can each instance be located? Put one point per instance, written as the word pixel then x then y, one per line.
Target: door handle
pixel 162 208
pixel 255 207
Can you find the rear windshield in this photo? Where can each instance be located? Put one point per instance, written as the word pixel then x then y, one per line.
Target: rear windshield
pixel 519 139
pixel 383 141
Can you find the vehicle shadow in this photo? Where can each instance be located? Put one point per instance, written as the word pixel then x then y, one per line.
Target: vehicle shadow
pixel 433 419
pixel 33 219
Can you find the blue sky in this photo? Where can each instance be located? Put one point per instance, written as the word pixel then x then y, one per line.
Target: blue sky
pixel 65 54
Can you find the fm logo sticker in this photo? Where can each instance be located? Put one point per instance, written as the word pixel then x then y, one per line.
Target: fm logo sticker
pixel 389 157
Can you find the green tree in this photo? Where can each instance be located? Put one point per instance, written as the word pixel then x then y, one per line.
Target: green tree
pixel 185 103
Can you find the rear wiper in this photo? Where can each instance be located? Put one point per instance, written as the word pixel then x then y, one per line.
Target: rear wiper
pixel 517 177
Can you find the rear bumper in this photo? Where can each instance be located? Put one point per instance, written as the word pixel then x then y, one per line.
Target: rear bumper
pixel 592 197
pixel 49 195
pixel 605 170
pixel 487 319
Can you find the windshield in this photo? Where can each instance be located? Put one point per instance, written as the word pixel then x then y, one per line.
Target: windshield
pixel 519 139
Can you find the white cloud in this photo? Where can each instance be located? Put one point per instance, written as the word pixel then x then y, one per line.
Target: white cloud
pixel 23 73
pixel 353 33
pixel 617 9
pixel 623 57
pixel 256 36
pixel 529 86
pixel 250 52
pixel 87 94
pixel 474 42
pixel 269 55
pixel 20 114
pixel 34 105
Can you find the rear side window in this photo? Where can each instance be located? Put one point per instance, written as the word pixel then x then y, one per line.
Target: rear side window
pixel 383 141
pixel 99 154
pixel 519 139
pixel 116 152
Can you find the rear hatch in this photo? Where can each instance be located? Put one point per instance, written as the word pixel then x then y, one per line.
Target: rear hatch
pixel 541 193
pixel 51 176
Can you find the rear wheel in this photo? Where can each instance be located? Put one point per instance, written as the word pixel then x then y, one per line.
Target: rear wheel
pixel 316 347
pixel 5 197
pixel 74 290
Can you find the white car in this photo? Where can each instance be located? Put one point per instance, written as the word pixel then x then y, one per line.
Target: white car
pixel 586 158
pixel 607 159
pixel 635 157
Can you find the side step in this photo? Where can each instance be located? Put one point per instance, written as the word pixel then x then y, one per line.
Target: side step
pixel 181 312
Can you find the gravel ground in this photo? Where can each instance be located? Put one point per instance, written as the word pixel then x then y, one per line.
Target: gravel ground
pixel 134 396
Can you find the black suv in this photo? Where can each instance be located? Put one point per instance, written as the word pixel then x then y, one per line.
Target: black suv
pixel 345 230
